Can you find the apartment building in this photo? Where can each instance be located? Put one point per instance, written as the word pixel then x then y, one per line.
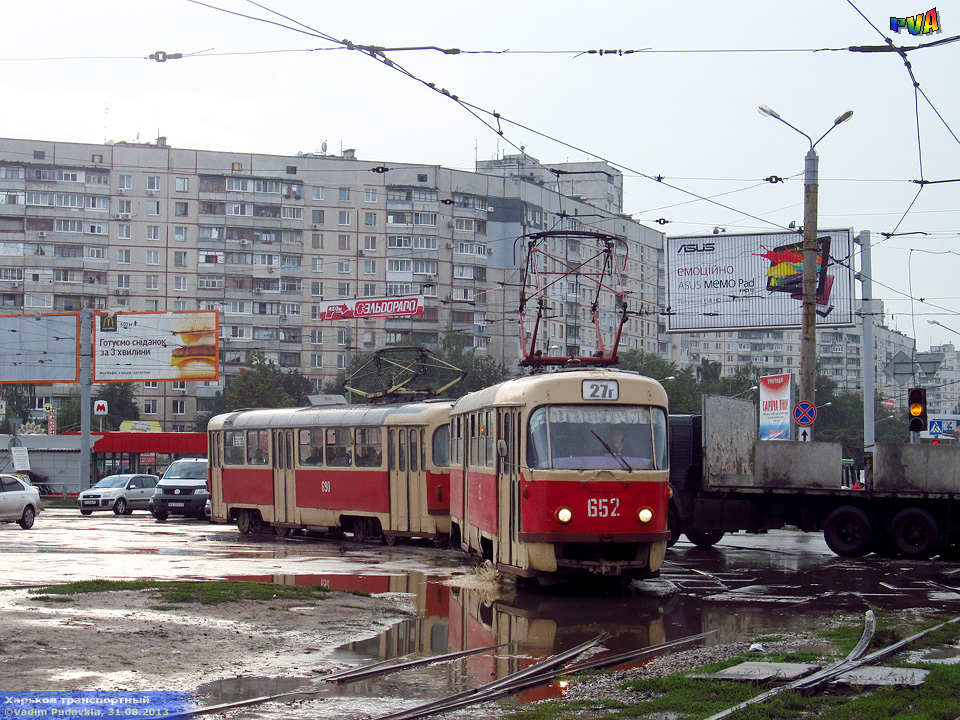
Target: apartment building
pixel 262 239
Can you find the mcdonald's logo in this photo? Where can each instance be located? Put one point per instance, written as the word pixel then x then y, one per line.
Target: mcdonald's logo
pixel 108 323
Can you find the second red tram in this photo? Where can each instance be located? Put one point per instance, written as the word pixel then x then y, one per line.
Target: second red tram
pixel 563 472
pixel 373 470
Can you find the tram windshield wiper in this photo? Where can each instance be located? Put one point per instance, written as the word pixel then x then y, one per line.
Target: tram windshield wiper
pixel 612 452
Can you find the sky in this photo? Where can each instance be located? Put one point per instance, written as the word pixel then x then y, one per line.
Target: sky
pixel 682 108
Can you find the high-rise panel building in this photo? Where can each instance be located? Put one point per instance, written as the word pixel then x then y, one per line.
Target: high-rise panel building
pixel 263 239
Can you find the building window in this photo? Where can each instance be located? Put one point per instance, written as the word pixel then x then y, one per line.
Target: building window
pixel 180 233
pixel 343 289
pixel 125 232
pixel 123 256
pixel 421 177
pixel 149 407
pixel 370 219
pixel 343 266
pixel 370 242
pixel 316 337
pixel 369 267
pixel 291 169
pixel 180 209
pixel 180 259
pixel 344 194
pixel 316 360
pixel 179 282
pixel 178 407
pixel 369 289
pixel 125 182
pixel 153 282
pixel 318 193
pixel 123 281
pixel 182 184
pixel 370 195
pixel 153 182
pixel 343 217
pixel 343 242
pixel 153 207
pixel 153 232
pixel 153 257
pixel 341 362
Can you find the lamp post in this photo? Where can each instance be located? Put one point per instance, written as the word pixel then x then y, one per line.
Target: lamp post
pixel 940 324
pixel 808 344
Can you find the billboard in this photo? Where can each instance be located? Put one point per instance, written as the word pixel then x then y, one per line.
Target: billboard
pixel 748 282
pixel 132 346
pixel 40 348
pixel 347 309
pixel 776 403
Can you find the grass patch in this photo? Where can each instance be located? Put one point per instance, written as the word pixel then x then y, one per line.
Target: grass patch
pixel 54 599
pixel 60 502
pixel 207 593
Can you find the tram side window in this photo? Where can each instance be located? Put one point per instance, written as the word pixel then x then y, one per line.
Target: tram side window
pixel 662 455
pixel 441 446
pixel 338 447
pixel 489 441
pixel 391 449
pixel 402 451
pixel 369 447
pixel 258 447
pixel 507 435
pixel 233 447
pixel 414 449
pixel 311 446
pixel 473 440
pixel 538 452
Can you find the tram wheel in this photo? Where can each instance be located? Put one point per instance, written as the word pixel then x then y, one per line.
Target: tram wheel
pixel 389 539
pixel 244 522
pixel 361 530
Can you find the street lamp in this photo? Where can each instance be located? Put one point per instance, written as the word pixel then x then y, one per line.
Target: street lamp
pixel 750 389
pixel 808 346
pixel 668 377
pixel 937 322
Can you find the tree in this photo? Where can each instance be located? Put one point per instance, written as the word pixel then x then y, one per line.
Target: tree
pixel 122 404
pixel 20 401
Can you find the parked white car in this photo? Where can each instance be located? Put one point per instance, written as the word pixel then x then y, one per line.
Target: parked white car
pixel 19 501
pixel 121 493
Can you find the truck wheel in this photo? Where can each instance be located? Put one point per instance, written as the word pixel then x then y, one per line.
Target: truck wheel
pixel 704 539
pixel 673 525
pixel 849 531
pixel 916 534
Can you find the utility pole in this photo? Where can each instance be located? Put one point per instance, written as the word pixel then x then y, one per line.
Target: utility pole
pixel 86 383
pixel 808 342
pixel 867 311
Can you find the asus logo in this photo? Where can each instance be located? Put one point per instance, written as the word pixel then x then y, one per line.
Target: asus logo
pixel 694 248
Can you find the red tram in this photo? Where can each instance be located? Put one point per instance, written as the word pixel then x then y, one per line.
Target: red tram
pixel 371 470
pixel 563 472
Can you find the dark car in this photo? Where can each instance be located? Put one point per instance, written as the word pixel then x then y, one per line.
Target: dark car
pixel 182 490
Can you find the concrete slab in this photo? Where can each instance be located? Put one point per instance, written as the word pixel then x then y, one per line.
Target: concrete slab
pixel 882 677
pixel 761 672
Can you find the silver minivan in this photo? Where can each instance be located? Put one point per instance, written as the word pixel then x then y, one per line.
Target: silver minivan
pixel 121 493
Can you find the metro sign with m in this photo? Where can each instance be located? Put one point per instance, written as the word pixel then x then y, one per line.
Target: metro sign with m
pixel 100 407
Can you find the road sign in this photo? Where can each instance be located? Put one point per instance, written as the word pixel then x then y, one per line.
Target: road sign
pixel 936 427
pixel 804 413
pixel 100 407
pixel 805 435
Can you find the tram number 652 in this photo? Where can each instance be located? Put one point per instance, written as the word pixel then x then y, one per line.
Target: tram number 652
pixel 603 507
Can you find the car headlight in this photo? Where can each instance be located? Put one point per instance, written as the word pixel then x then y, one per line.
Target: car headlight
pixel 645 515
pixel 564 515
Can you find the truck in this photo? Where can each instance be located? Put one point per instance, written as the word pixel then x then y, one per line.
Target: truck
pixel 724 479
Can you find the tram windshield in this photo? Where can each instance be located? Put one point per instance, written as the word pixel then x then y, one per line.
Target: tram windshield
pixel 580 437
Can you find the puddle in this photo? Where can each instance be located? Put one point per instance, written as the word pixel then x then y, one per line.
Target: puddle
pixel 949 655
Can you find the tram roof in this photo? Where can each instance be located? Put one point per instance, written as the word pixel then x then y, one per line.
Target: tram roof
pixel 562 386
pixel 331 416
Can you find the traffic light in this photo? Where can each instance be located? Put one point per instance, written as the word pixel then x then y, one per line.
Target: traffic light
pixel 917 406
pixel 936 441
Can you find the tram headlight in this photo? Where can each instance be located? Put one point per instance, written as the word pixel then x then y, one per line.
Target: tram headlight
pixel 564 515
pixel 645 515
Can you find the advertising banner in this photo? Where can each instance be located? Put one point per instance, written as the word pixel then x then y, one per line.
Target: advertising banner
pixel 749 282
pixel 40 348
pixel 371 308
pixel 156 346
pixel 775 407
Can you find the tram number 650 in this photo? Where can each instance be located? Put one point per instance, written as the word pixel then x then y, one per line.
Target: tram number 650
pixel 603 507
